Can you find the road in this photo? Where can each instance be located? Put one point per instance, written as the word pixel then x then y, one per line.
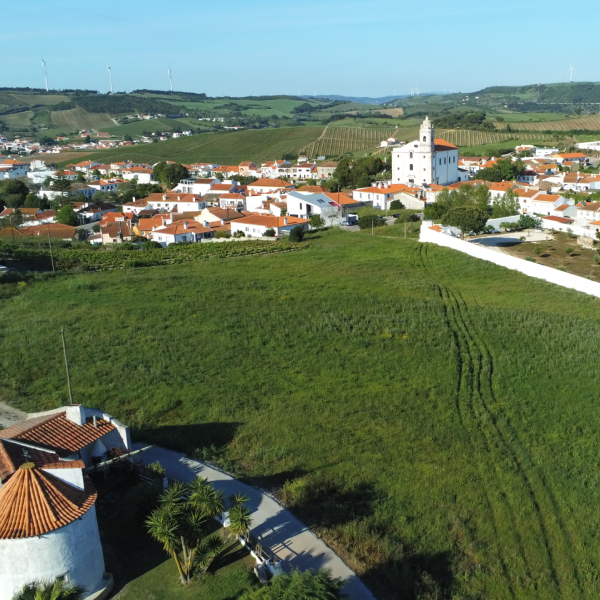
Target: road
pixel 275 527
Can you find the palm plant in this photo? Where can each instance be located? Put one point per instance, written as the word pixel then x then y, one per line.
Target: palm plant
pixel 180 523
pixel 57 590
pixel 239 515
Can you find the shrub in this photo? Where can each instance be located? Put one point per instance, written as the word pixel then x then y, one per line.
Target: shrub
pixel 270 232
pixel 396 205
pixel 569 250
pixel 239 234
pixel 297 234
pixel 370 221
pixel 222 234
pixel 530 259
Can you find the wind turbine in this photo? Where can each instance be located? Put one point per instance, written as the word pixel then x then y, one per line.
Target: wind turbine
pixel 110 79
pixel 45 73
pixel 170 78
pixel 570 71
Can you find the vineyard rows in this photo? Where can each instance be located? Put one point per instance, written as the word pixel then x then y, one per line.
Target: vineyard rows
pixel 591 122
pixel 463 137
pixel 338 140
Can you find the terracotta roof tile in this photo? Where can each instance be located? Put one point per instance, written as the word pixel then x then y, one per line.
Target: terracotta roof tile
pixel 34 502
pixel 57 433
pixel 13 455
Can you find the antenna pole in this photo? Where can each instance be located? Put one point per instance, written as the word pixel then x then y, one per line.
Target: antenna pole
pixel 50 244
pixel 62 333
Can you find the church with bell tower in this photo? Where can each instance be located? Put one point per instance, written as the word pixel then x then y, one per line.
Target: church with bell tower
pixel 428 160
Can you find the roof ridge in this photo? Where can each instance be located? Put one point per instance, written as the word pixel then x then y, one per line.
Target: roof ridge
pixel 32 426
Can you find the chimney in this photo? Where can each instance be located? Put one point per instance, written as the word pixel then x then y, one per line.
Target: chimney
pixel 134 199
pixel 285 221
pixel 164 196
pixel 222 221
pixel 95 421
pixel 185 225
pixel 206 224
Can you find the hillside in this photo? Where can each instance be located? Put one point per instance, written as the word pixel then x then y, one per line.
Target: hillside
pixel 436 415
pixel 256 145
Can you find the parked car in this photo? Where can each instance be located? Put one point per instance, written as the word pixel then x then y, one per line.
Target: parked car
pixel 396 215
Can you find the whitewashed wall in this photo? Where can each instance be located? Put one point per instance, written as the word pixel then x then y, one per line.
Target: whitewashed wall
pixel 580 231
pixel 510 262
pixel 73 550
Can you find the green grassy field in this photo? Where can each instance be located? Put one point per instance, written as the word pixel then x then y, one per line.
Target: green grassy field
pixel 526 117
pixel 153 125
pixel 76 119
pixel 436 414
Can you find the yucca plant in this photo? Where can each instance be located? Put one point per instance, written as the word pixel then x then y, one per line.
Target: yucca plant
pixel 57 590
pixel 180 523
pixel 239 515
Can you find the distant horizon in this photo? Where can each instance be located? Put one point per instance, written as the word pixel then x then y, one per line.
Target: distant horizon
pixel 238 49
pixel 258 95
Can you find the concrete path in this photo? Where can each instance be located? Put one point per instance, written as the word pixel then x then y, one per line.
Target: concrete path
pixel 9 415
pixel 275 527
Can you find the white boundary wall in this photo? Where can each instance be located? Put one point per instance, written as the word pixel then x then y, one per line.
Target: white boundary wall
pixel 576 230
pixel 510 262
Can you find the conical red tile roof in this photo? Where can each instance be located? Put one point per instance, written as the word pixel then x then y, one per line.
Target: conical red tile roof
pixel 34 502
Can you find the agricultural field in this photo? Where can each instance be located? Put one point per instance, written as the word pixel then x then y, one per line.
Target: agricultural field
pixel 137 128
pixel 224 148
pixel 435 417
pixel 513 117
pixel 337 140
pixel 465 137
pixel 77 119
pixel 43 99
pixel 591 122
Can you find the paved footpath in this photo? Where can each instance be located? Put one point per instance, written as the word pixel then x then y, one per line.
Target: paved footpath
pixel 274 526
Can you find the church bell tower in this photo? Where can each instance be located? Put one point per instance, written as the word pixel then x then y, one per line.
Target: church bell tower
pixel 427 135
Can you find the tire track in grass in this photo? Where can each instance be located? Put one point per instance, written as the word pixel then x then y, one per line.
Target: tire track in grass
pixel 464 389
pixel 544 500
pixel 500 434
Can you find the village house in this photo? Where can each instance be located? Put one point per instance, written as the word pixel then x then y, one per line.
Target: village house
pixel 236 201
pixel 101 185
pixel 11 168
pixel 271 169
pixel 256 225
pixel 380 195
pixel 249 169
pixel 217 214
pixel 267 185
pixel 95 211
pixel 587 212
pixel 305 205
pixel 304 171
pixel 181 231
pixel 544 204
pixel 140 174
pixel 200 187
pixel 52 230
pixel 326 169
pixel 43 459
pixel 171 201
pixel 115 232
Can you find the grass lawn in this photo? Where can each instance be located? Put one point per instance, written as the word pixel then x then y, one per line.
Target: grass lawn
pixel 436 416
pixel 143 570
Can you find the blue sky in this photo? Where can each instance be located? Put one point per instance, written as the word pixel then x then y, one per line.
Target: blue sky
pixel 233 47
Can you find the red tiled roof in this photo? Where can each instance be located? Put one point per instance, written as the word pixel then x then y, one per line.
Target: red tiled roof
pixel 57 432
pixel 443 146
pixel 272 183
pixel 562 220
pixel 13 455
pixel 34 502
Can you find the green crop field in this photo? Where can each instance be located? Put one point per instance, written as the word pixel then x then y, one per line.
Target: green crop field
pixel 464 137
pixel 436 416
pixel 591 122
pixel 137 128
pixel 337 140
pixel 76 119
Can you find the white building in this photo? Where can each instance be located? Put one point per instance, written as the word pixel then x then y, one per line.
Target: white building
pixel 256 225
pixel 588 145
pixel 545 152
pixel 182 231
pixel 380 195
pixel 48 525
pixel 11 168
pixel 200 187
pixel 305 205
pixel 175 202
pixel 426 160
pixel 267 185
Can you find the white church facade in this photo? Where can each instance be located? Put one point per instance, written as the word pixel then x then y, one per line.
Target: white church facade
pixel 426 161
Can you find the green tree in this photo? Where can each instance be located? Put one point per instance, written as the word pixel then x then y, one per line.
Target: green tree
pixel 180 524
pixel 57 590
pixel 316 221
pixel 127 138
pixel 396 205
pixel 297 234
pixel 506 205
pixel 298 585
pixel 61 185
pixel 504 170
pixel 80 177
pixel 466 218
pixel 32 201
pixel 528 222
pixel 66 215
pixel 170 174
pixel 270 232
pixel 96 173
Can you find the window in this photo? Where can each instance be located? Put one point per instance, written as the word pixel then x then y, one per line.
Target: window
pixel 410 167
pixel 411 155
pixel 247 228
pixel 440 161
pixel 424 138
pixel 300 205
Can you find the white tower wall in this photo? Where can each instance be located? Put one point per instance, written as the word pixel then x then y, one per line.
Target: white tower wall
pixel 73 550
